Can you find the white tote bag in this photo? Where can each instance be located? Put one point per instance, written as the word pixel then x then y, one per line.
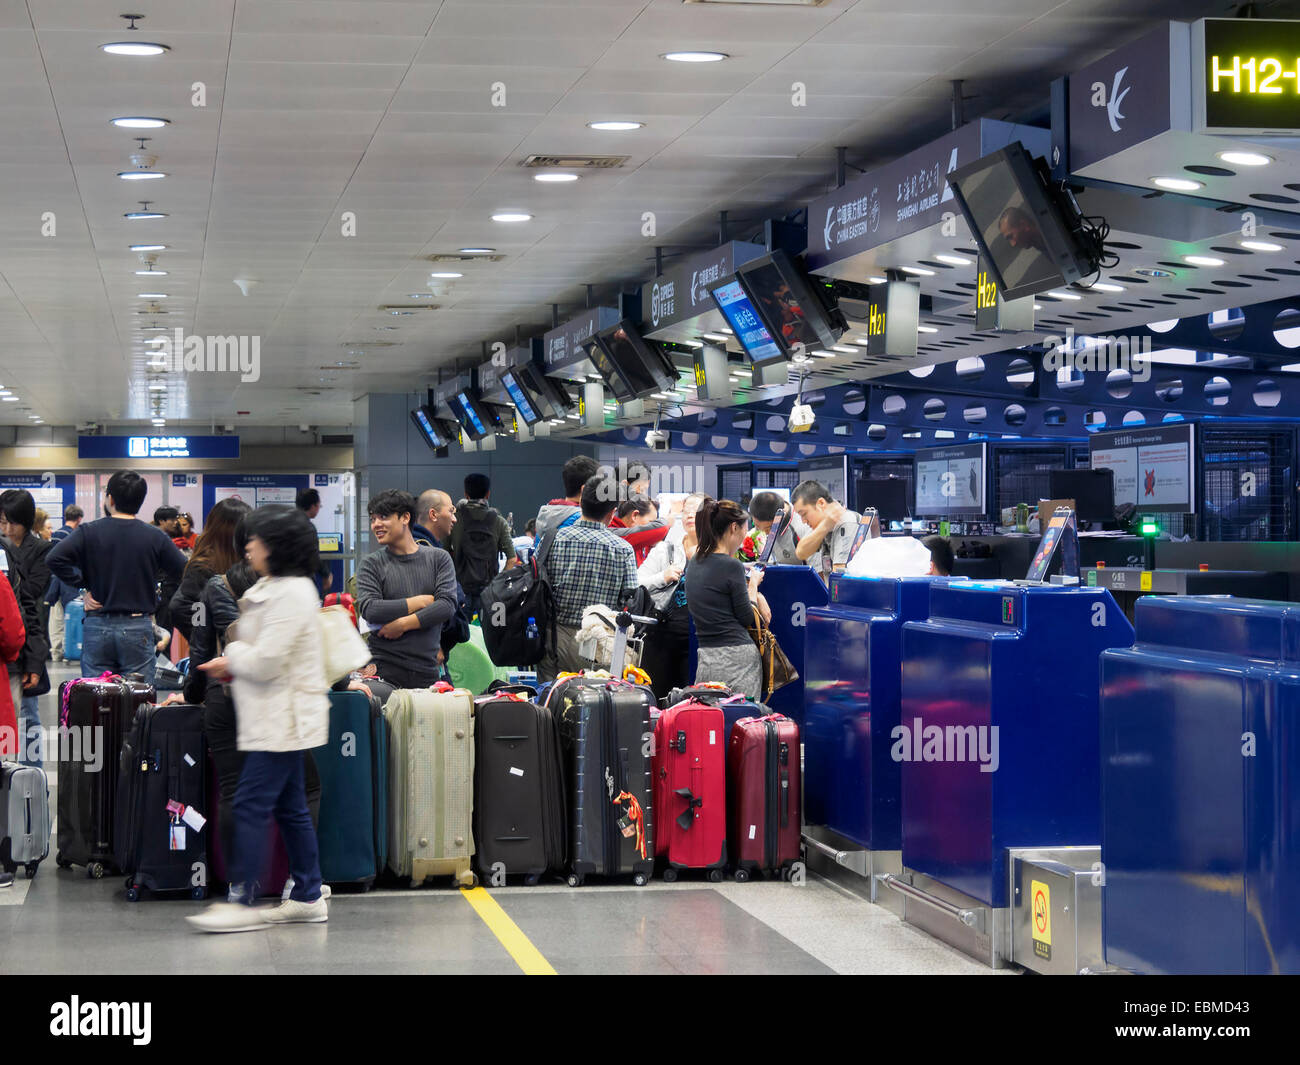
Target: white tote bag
pixel 342 648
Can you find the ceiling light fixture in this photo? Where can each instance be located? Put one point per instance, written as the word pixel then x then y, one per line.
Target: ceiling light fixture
pixel 920 271
pixel 1106 286
pixel 139 122
pixel 144 212
pixel 1260 245
pixel 136 48
pixel 694 57
pixel 926 329
pixel 148 247
pixel 446 275
pixel 1202 260
pixel 714 336
pixel 1152 272
pixel 1063 295
pixel 9 399
pixel 152 295
pixel 555 178
pixel 140 175
pixel 954 260
pixel 615 126
pixel 1245 158
pixel 512 216
pixel 151 273
pixel 1177 184
pixel 477 251
pixel 877 280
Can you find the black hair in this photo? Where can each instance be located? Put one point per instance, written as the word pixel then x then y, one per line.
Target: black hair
pixel 477 485
pixel 636 471
pixel 162 514
pixel 764 505
pixel 577 472
pixel 128 490
pixel 599 497
pixel 215 550
pixel 18 507
pixel 307 499
pixel 73 513
pixel 531 527
pixel 940 554
pixel 393 501
pixel 240 577
pixel 290 538
pixel 633 506
pixel 811 491
pixel 718 516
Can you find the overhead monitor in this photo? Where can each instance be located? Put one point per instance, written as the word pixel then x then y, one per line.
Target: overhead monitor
pixel 526 401
pixel 434 431
pixel 473 415
pixel 643 367
pixel 1093 492
pixel 748 328
pixel 1032 234
pixel 951 482
pixel 786 299
pixel 1154 468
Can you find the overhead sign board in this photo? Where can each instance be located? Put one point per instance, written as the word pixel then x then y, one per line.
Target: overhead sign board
pixel 157 447
pixel 681 293
pixel 1246 76
pixel 893 314
pixel 562 346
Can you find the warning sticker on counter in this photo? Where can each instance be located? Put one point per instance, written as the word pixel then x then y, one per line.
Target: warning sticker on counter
pixel 1041 900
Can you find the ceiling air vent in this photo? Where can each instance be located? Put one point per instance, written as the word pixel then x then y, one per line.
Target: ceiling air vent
pixel 456 257
pixel 770 3
pixel 391 307
pixel 575 162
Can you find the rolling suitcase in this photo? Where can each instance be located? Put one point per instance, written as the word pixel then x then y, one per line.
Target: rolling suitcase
pixel 431 784
pixel 764 827
pixel 96 713
pixel 24 817
pixel 270 884
pixel 162 810
pixel 74 618
pixel 353 768
pixel 605 740
pixel 733 706
pixel 690 791
pixel 519 817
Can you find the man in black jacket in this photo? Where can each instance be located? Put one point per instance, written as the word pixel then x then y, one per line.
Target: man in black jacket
pixel 27 676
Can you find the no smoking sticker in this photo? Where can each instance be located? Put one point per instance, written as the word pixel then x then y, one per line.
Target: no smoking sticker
pixel 1040 896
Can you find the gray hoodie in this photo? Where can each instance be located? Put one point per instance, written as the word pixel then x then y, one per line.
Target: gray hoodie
pixel 553 515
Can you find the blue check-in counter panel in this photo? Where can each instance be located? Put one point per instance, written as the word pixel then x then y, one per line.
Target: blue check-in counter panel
pixel 852 692
pixel 998 738
pixel 1200 733
pixel 792 591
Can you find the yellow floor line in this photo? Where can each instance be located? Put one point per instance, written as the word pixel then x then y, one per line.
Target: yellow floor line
pixel 519 946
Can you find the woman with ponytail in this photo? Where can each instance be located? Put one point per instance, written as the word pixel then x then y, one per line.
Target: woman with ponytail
pixel 722 602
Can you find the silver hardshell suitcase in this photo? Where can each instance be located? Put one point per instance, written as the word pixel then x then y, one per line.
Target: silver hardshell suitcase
pixel 24 817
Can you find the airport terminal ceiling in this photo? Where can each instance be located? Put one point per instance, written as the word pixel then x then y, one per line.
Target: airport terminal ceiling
pixel 322 161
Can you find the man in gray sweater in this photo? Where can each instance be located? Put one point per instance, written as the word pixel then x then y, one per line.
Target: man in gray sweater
pixel 405 592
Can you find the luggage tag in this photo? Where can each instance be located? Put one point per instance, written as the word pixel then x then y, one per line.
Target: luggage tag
pixel 187 814
pixel 626 827
pixel 176 836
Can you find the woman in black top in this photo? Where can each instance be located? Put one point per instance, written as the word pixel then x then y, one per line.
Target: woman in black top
pixel 214 553
pixel 722 603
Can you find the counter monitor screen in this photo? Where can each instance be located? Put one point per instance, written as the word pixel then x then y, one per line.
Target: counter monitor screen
pixel 609 373
pixel 784 298
pixel 1093 492
pixel 471 415
pixel 644 368
pixel 521 397
pixel 432 430
pixel 745 323
pixel 888 497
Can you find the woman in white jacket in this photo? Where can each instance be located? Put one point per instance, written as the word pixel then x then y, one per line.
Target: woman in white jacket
pixel 276 670
pixel 666 656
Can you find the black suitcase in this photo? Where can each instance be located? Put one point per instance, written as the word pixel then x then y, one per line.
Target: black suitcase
pixel 520 823
pixel 162 809
pixel 605 740
pixel 95 711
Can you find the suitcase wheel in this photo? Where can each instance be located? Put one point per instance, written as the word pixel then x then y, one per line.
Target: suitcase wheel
pixel 670 875
pixel 640 880
pixel 96 870
pixel 31 869
pixel 133 894
pixel 532 879
pixel 742 875
pixel 467 880
pixel 574 880
pixel 61 861
pixel 198 892
pixel 715 876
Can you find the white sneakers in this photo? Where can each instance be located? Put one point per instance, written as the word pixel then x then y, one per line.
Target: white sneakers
pixel 291 912
pixel 236 917
pixel 288 890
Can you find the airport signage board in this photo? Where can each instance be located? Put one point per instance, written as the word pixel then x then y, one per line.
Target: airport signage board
pixel 1246 76
pixel 1154 468
pixel 157 447
pixel 681 293
pixel 562 346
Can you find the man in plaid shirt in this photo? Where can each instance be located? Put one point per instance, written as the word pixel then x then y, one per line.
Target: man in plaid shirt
pixel 588 565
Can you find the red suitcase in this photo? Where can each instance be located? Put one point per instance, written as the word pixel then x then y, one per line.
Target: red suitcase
pixel 764 825
pixel 690 775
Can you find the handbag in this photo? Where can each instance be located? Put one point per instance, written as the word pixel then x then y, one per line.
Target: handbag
pixel 342 648
pixel 777 669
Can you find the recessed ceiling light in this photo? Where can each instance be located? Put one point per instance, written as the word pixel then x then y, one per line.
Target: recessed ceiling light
pixel 477 251
pixel 1246 158
pixel 920 271
pixel 141 123
pixel 138 215
pixel 695 57
pixel 447 275
pixel 151 273
pixel 148 247
pixel 1106 286
pixel 724 329
pixel 877 280
pixel 135 48
pixel 615 126
pixel 1260 245
pixel 1152 272
pixel 846 351
pixel 824 354
pixel 512 216
pixel 555 178
pixel 1177 184
pixel 954 260
pixel 152 295
pixel 9 399
pixel 714 336
pixel 158 388
pixel 926 329
pixel 1038 306
pixel 1064 295
pixel 1202 260
pixel 159 421
pixel 141 175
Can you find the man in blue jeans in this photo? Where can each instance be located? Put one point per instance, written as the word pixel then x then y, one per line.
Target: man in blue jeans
pixel 117 560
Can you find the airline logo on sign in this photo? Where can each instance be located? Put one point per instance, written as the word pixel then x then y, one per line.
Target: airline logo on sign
pixel 662 301
pixel 856 218
pixel 1112 101
pixel 702 279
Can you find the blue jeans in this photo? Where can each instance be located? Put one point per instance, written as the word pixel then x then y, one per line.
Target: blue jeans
pixel 118 643
pixel 32 751
pixel 272 782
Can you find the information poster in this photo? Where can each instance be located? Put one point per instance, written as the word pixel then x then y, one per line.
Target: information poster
pixel 1154 468
pixel 950 481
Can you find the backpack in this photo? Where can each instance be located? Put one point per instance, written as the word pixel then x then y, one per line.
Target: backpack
pixel 509 600
pixel 476 548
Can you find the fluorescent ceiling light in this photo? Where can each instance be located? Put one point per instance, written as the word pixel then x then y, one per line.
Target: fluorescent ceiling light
pixel 158 388
pixel 141 123
pixel 954 260
pixel 512 216
pixel 1261 245
pixel 615 126
pixel 920 271
pixel 695 57
pixel 141 175
pixel 1246 158
pixel 477 251
pixel 9 399
pixel 714 336
pixel 151 273
pixel 152 295
pixel 448 275
pixel 926 329
pixel 724 329
pixel 824 354
pixel 1176 184
pixel 1064 295
pixel 555 178
pixel 1202 260
pixel 846 351
pixel 1106 286
pixel 137 215
pixel 148 247
pixel 690 343
pixel 134 48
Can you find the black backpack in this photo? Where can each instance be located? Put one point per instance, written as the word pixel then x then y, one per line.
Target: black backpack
pixel 476 549
pixel 509 600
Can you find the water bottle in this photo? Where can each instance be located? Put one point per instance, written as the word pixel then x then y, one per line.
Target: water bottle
pixel 533 634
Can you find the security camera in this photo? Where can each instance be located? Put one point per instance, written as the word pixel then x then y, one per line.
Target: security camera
pixel 801 418
pixel 658 440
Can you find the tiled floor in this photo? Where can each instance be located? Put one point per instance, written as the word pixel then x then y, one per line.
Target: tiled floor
pixel 64 922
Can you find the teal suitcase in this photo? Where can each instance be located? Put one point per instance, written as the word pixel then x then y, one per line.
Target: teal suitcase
pixel 353 768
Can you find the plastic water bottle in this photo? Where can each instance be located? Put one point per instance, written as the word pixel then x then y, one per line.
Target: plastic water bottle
pixel 532 629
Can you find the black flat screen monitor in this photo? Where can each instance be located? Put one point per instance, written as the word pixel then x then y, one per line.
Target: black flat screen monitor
pixel 473 415
pixel 523 396
pixel 610 374
pixel 746 325
pixel 644 368
pixel 434 431
pixel 887 496
pixel 1093 492
pixel 784 297
pixel 1032 236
